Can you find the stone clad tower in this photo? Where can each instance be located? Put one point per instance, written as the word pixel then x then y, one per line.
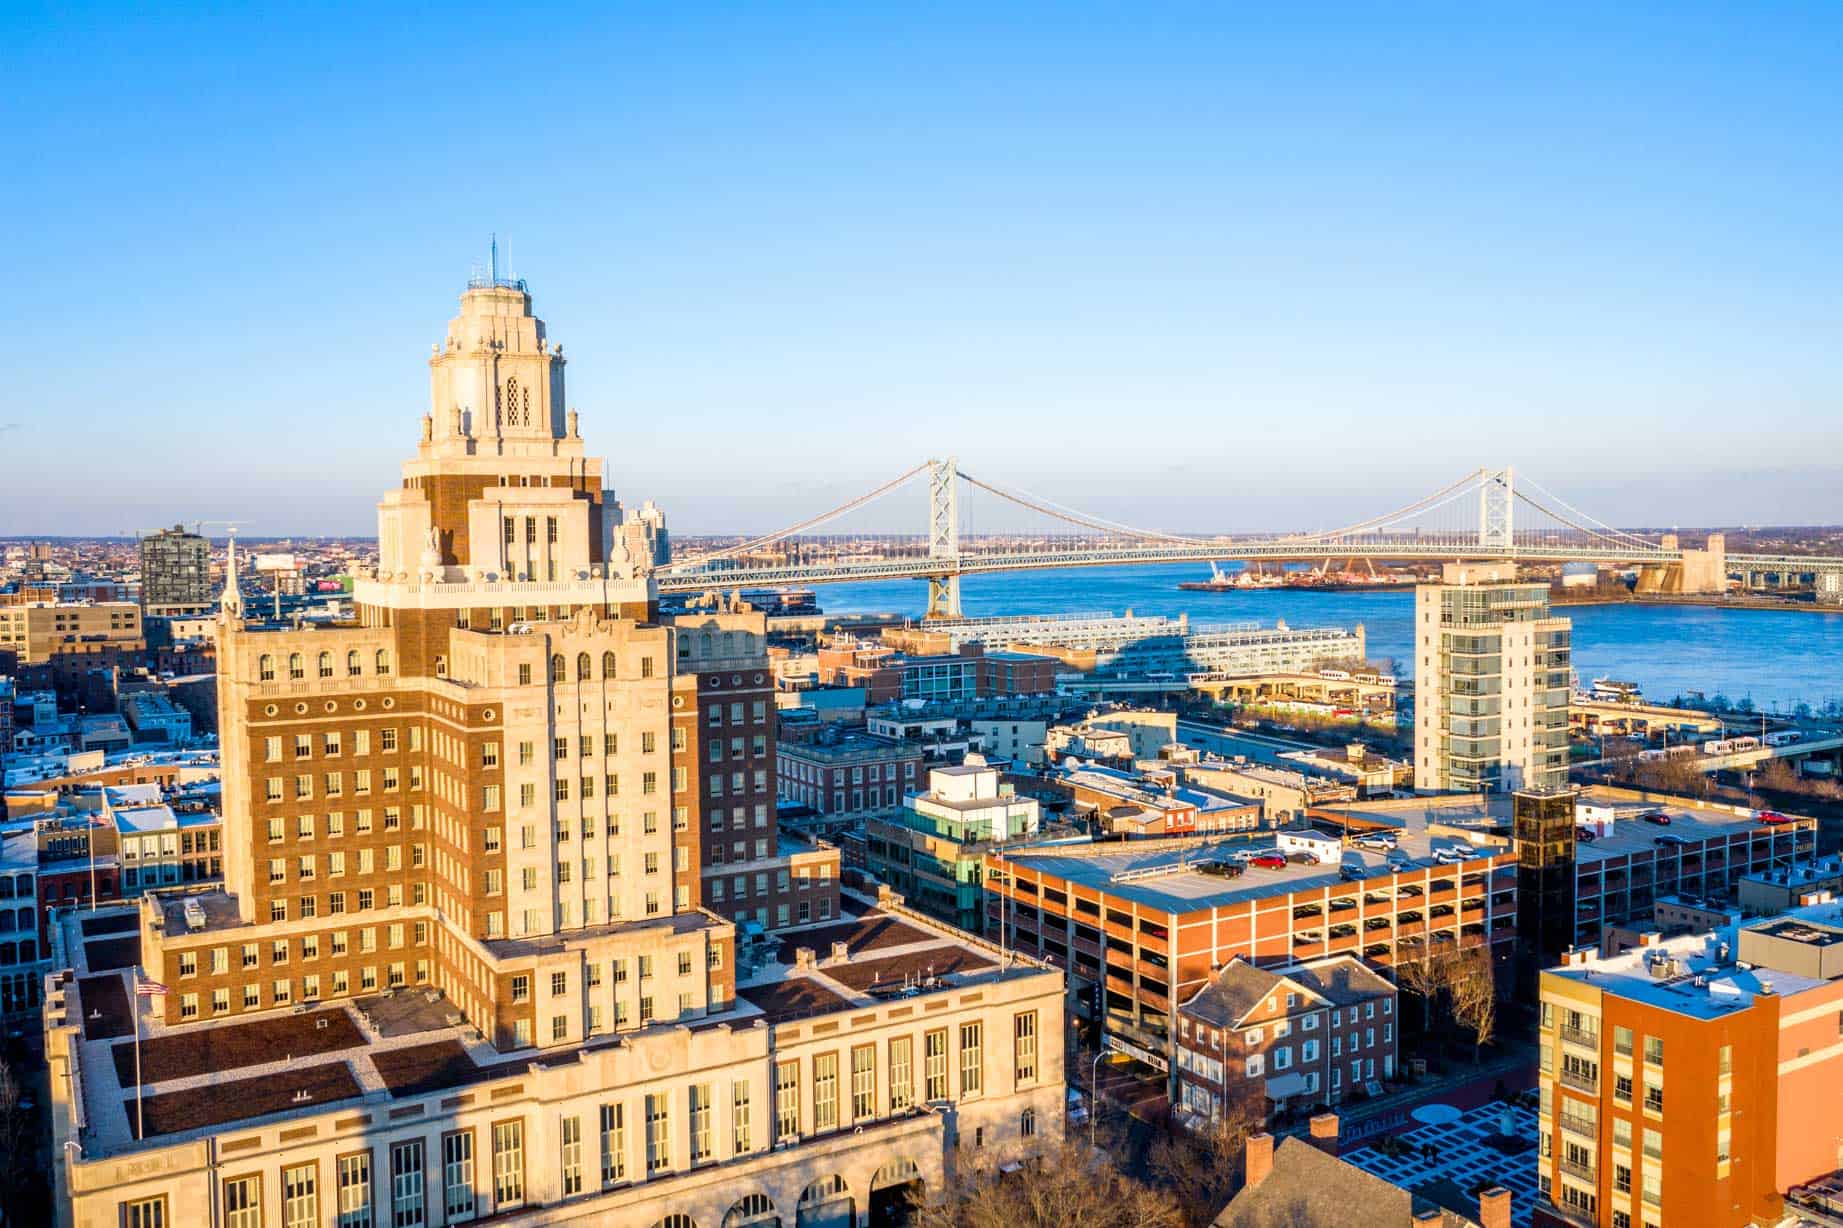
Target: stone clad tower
pixel 476 782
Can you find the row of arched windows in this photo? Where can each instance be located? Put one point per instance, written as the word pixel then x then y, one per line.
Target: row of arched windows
pixel 584 667
pixel 323 665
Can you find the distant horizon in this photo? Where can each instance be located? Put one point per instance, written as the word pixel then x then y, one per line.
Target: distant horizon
pixel 10 539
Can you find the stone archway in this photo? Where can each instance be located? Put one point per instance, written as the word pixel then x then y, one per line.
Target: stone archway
pixel 752 1211
pixel 895 1192
pixel 826 1203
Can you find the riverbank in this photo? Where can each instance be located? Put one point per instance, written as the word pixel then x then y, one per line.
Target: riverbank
pixel 1716 603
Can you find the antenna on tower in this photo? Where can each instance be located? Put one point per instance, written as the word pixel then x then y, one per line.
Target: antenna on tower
pixel 495 266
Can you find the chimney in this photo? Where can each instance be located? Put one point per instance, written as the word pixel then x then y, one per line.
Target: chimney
pixel 1324 1133
pixel 1260 1158
pixel 1429 1215
pixel 1494 1207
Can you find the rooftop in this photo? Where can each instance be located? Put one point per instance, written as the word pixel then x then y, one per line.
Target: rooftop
pixel 1614 815
pixel 836 746
pixel 1164 877
pixel 1705 975
pixel 198 1077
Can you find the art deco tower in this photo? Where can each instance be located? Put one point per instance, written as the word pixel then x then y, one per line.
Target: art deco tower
pixel 471 787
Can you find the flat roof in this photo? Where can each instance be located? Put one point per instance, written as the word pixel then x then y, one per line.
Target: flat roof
pixel 1179 890
pixel 201 1076
pixel 1699 975
pixel 1690 820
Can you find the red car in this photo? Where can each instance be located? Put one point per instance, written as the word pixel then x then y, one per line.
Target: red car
pixel 1656 816
pixel 1774 817
pixel 1268 861
pixel 1585 833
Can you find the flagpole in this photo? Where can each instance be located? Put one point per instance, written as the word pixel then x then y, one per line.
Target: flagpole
pixel 140 1116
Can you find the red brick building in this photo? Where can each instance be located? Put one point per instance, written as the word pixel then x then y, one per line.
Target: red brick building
pixel 1142 926
pixel 1304 1033
pixel 841 773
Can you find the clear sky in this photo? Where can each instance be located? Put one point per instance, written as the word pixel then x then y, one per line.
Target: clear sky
pixel 1213 267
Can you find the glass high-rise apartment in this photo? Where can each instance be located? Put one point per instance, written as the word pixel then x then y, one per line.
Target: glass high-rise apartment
pixel 1492 666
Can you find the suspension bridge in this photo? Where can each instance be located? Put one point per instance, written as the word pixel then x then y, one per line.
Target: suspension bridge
pixel 974 526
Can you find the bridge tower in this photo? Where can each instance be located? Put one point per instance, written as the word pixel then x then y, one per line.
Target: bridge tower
pixel 1496 504
pixel 944 536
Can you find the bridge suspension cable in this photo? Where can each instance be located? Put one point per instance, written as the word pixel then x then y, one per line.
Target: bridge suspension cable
pixel 1579 520
pixel 811 522
pixel 1426 503
pixel 1048 507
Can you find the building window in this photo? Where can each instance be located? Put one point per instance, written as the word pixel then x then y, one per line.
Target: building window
pixel 825 1092
pixel 863 1082
pixel 570 1135
pixel 787 1101
pixel 458 1173
pixel 300 1197
pixel 1025 1046
pixel 972 1066
pixel 739 1118
pixel 243 1202
pixel 508 1164
pixel 934 1057
pixel 145 1213
pixel 658 1134
pixel 354 1181
pixel 902 1073
pixel 701 1133
pixel 1027 1123
pixel 614 1143
pixel 406 1201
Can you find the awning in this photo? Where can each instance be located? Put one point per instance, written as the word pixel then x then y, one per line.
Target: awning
pixel 1285 1085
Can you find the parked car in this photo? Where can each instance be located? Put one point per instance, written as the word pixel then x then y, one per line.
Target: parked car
pixel 1773 817
pixel 1268 861
pixel 1585 834
pixel 1657 817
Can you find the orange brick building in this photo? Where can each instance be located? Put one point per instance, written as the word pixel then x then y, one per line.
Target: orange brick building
pixel 1691 1082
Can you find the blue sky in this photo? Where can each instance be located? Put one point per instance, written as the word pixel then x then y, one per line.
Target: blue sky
pixel 1199 267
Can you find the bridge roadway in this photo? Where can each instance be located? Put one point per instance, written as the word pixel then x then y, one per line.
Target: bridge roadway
pixel 1745 760
pixel 689 577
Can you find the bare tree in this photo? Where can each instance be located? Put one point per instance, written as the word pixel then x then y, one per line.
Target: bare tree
pixel 22 1183
pixel 1425 976
pixel 1203 1169
pixel 1066 1184
pixel 1473 989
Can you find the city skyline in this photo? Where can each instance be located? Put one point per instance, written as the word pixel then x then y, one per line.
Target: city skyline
pixel 1005 238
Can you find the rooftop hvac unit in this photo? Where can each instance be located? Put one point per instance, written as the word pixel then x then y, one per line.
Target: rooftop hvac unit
pixel 195 915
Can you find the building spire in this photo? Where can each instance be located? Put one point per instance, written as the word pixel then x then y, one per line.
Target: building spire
pixel 231 602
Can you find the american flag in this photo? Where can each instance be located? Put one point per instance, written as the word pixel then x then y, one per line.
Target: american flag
pixel 148 989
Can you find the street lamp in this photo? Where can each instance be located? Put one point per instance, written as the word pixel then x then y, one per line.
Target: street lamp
pixel 1094 1094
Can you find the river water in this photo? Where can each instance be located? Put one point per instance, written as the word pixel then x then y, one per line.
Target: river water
pixel 1775 658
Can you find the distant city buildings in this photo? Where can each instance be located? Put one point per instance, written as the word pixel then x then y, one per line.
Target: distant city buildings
pixel 38 631
pixel 175 572
pixel 1492 681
